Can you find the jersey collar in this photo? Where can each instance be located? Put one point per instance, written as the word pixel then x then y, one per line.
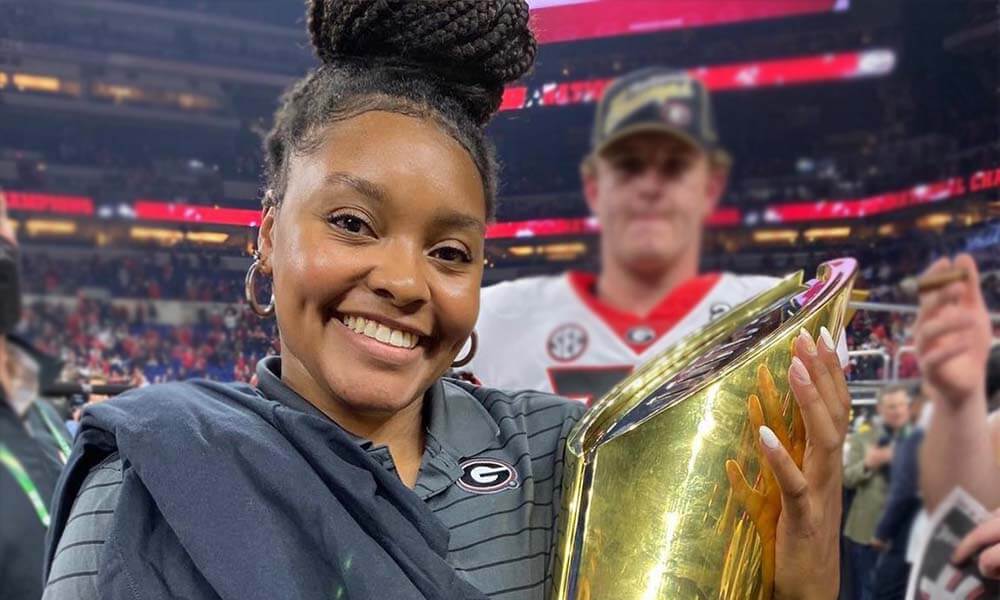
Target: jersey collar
pixel 676 305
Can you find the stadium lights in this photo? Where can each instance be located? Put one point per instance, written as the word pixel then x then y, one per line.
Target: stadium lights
pixel 3 80
pixel 207 237
pixel 827 233
pixel 888 229
pixel 521 250
pixel 778 235
pixel 45 227
pixel 118 93
pixel 934 221
pixel 36 83
pixel 164 236
pixel 566 251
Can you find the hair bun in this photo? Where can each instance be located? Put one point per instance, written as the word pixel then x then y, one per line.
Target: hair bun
pixel 473 46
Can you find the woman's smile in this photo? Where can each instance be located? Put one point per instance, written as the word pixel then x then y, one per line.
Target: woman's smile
pixel 381 339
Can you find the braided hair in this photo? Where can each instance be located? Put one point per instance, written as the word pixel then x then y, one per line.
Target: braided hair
pixel 442 60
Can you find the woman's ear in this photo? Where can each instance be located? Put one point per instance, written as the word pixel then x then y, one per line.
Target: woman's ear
pixel 265 236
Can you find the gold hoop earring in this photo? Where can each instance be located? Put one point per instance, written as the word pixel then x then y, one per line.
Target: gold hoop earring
pixel 474 338
pixel 250 290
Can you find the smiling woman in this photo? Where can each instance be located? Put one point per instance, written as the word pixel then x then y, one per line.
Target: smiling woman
pixel 355 469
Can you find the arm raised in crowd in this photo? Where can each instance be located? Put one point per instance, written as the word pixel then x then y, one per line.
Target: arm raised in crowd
pixel 953 336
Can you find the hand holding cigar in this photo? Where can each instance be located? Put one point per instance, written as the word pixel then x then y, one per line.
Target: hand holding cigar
pixel 953 331
pixel 931 281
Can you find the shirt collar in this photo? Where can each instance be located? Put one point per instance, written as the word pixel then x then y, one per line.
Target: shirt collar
pixel 269 381
pixel 459 421
pixel 456 419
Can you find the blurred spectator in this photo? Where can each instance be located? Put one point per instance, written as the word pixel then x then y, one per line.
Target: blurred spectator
pixel 963 439
pixel 869 454
pixel 985 539
pixel 954 336
pixel 34 445
pixel 902 506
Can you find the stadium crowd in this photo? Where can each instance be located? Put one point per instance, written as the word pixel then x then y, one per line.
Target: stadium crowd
pixel 110 340
pixel 100 340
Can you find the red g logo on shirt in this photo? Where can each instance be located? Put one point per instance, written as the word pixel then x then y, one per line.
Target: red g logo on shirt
pixel 567 343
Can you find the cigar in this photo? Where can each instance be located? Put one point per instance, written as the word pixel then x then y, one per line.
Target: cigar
pixel 934 281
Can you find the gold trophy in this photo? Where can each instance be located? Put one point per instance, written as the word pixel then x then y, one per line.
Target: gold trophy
pixel 664 495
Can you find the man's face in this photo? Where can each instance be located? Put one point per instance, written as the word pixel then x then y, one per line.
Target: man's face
pixel 652 193
pixel 894 408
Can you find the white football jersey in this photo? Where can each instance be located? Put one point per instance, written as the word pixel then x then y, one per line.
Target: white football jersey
pixel 552 334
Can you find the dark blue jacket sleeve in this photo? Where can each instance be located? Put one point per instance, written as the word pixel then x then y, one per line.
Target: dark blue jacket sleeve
pixel 904 499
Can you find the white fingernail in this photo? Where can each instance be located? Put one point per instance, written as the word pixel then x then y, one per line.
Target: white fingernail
pixel 807 338
pixel 824 335
pixel 767 436
pixel 800 372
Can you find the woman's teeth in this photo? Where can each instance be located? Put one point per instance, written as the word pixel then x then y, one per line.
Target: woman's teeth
pixel 378 331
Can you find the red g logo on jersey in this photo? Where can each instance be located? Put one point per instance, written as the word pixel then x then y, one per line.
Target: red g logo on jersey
pixel 567 343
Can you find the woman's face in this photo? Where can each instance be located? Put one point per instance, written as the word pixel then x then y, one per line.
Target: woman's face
pixel 377 257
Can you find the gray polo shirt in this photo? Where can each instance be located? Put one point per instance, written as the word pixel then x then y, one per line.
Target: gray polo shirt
pixel 491 471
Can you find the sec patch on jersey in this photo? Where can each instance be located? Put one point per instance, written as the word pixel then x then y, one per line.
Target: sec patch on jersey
pixel 568 342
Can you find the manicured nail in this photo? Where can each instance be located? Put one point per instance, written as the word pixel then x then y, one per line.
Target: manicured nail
pixel 824 334
pixel 808 340
pixel 800 372
pixel 768 438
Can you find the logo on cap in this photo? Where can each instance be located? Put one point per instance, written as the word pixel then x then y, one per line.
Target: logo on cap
pixel 626 103
pixel 676 113
pixel 487 476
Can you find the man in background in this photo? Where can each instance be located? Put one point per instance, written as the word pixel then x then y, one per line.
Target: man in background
pixel 653 178
pixel 866 471
pixel 902 506
pixel 34 443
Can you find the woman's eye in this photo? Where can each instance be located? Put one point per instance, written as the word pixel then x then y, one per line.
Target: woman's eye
pixel 451 254
pixel 350 223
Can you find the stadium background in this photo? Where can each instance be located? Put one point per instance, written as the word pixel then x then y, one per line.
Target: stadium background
pixel 129 149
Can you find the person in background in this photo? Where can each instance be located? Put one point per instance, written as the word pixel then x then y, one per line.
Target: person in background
pixel 866 471
pixel 962 445
pixel 655 173
pixel 901 508
pixel 34 442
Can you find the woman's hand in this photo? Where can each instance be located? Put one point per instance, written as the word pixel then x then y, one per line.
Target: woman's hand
pixel 807 551
pixel 796 504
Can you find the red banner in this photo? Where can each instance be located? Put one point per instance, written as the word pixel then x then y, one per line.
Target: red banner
pixel 564 20
pixel 49 203
pixel 783 213
pixel 152 210
pixel 833 210
pixel 724 217
pixel 720 78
